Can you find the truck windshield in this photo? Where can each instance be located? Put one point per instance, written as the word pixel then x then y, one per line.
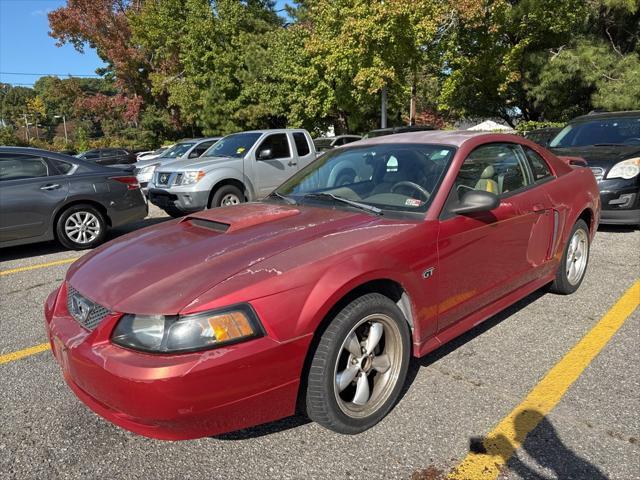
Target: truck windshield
pixel 177 150
pixel 235 145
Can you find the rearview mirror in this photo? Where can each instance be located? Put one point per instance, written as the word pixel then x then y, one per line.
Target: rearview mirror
pixel 265 154
pixel 476 201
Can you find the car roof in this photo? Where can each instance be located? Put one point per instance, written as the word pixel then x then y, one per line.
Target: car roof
pixel 453 138
pixel 55 155
pixel 597 115
pixel 272 130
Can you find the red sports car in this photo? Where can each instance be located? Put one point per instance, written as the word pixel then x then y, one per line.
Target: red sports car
pixel 317 297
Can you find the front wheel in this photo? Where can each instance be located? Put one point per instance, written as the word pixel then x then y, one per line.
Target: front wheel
pixel 80 227
pixel 359 366
pixel 574 261
pixel 225 196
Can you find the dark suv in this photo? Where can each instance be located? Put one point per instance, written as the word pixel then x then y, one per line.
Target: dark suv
pixel 610 143
pixel 108 156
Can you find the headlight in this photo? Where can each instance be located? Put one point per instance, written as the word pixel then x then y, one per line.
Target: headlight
pixel 188 333
pixel 191 177
pixel 144 174
pixel 626 169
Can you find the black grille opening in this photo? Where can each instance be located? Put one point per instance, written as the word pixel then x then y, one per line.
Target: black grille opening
pixel 210 224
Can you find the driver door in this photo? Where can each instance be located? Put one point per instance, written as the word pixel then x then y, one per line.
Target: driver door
pixel 483 255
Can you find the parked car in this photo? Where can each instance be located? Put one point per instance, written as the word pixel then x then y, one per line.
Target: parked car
pixel 108 156
pixel 543 136
pixel 240 167
pixel 380 132
pixel 327 143
pixel 183 150
pixel 318 296
pixel 610 143
pixel 150 154
pixel 50 196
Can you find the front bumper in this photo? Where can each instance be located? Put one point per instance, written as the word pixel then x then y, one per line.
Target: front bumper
pixel 620 200
pixel 174 397
pixel 184 201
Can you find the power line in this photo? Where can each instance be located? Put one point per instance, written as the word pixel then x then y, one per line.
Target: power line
pixel 51 74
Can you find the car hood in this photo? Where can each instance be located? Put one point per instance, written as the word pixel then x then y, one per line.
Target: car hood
pixel 163 268
pixel 201 163
pixel 604 156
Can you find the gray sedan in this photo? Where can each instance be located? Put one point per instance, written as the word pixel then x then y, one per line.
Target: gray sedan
pixel 46 196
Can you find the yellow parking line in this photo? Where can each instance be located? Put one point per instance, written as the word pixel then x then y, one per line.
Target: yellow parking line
pixel 10 357
pixel 39 265
pixel 511 432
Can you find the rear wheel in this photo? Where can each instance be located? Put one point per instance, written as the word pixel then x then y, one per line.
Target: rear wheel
pixel 225 196
pixel 359 366
pixel 80 227
pixel 574 261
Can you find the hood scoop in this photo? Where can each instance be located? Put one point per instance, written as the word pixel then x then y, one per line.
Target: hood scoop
pixel 232 219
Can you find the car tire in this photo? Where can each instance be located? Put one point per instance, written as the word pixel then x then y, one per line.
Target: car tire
pixel 174 212
pixel 349 390
pixel 80 227
pixel 225 196
pixel 575 259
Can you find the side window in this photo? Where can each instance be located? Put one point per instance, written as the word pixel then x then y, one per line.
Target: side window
pixel 91 155
pixel 495 168
pixel 278 144
pixel 539 167
pixel 340 141
pixel 14 167
pixel 350 139
pixel 63 167
pixel 200 149
pixel 302 145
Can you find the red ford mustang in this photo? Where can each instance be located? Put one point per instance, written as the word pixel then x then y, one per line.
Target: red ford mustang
pixel 318 296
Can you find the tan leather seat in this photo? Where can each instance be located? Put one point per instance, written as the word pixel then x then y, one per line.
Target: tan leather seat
pixel 486 182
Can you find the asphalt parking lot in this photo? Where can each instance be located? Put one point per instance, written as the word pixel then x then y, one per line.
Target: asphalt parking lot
pixel 456 394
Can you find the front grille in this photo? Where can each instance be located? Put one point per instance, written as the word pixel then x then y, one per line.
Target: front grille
pixel 87 313
pixel 163 178
pixel 598 172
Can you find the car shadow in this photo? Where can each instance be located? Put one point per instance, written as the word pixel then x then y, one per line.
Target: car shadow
pixel 299 419
pixel 20 252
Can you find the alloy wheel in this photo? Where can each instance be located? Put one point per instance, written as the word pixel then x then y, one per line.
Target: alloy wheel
pixel 577 255
pixel 82 227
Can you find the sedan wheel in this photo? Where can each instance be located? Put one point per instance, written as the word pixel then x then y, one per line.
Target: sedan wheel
pixel 359 365
pixel 80 227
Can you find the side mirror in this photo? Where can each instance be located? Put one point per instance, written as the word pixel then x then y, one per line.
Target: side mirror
pixel 265 154
pixel 194 154
pixel 476 201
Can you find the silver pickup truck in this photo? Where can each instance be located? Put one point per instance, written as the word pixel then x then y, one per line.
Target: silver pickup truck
pixel 241 167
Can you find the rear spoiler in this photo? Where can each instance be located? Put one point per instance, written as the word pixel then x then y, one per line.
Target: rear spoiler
pixel 574 161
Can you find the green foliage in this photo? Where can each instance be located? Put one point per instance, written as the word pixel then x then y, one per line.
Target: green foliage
pixel 9 138
pixel 530 125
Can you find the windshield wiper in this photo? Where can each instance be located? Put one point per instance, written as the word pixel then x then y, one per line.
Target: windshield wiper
pixel 361 206
pixel 288 200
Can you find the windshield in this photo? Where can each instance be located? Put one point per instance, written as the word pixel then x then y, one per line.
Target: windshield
pixel 402 177
pixel 235 145
pixel 322 143
pixel 178 150
pixel 618 131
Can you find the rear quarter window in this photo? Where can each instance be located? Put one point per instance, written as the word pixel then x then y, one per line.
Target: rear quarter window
pixel 302 144
pixel 538 165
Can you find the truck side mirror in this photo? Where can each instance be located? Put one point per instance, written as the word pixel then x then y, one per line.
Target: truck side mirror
pixel 265 154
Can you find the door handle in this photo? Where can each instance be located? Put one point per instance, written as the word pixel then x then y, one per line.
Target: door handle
pixel 50 186
pixel 292 164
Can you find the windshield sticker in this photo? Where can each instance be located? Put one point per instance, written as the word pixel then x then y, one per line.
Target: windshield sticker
pixel 240 150
pixel 412 202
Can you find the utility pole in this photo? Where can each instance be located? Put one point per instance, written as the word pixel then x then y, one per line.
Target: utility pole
pixel 383 108
pixel 412 105
pixel 64 122
pixel 26 127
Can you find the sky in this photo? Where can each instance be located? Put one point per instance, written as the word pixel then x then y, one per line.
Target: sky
pixel 26 47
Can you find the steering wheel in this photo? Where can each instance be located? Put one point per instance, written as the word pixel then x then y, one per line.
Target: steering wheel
pixel 414 186
pixel 632 140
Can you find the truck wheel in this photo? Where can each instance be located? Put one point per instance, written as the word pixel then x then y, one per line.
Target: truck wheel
pixel 80 227
pixel 225 196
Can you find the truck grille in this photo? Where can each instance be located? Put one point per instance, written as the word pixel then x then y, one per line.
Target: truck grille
pixel 598 172
pixel 87 313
